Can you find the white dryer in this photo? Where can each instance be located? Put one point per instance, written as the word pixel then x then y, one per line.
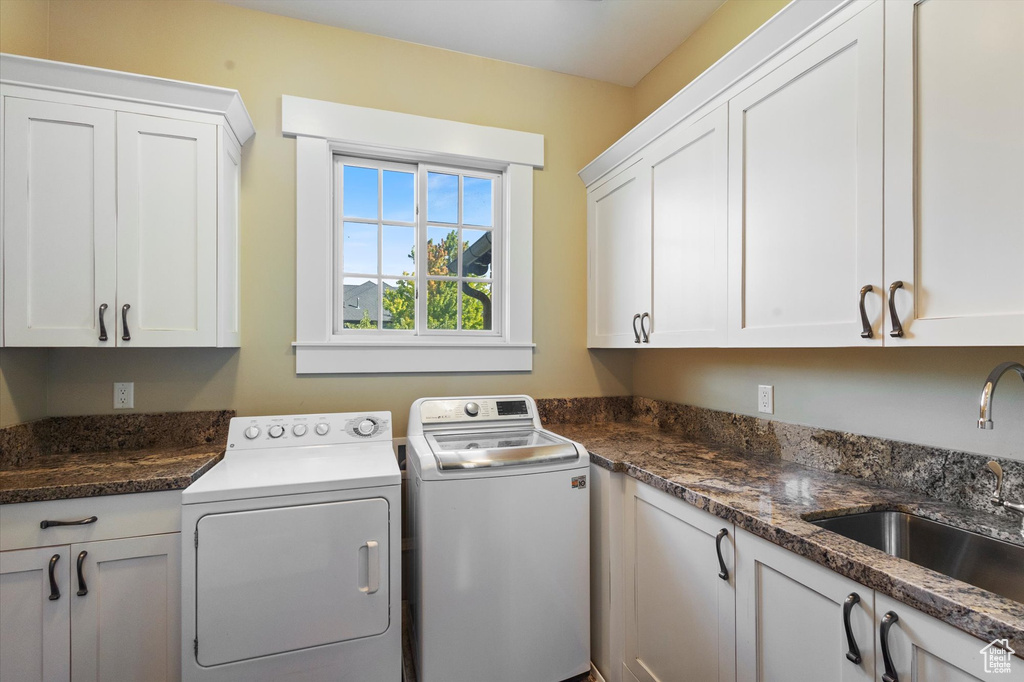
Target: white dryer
pixel 291 554
pixel 499 521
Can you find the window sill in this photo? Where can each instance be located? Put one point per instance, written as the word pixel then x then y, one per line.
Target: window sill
pixel 374 357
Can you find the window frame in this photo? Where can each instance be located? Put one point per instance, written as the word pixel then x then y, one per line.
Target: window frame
pixel 322 131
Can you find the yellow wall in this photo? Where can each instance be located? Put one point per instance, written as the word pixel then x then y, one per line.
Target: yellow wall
pixel 24 28
pixel 265 56
pixel 727 27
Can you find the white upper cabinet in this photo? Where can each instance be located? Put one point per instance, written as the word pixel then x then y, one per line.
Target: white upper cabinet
pixel 120 208
pixel 167 231
pixel 60 223
pixel 954 171
pixel 837 235
pixel 619 254
pixel 805 195
pixel 689 185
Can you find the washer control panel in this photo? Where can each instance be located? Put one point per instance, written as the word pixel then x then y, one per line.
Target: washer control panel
pixel 463 410
pixel 251 433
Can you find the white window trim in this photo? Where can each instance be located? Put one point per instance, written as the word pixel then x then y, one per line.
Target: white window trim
pixel 322 129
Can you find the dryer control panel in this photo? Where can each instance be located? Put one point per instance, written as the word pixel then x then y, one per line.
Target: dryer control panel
pixel 289 431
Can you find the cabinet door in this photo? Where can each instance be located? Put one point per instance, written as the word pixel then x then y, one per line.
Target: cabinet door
pixel 790 618
pixel 126 625
pixel 954 170
pixel 34 629
pixel 59 224
pixel 680 615
pixel 925 649
pixel 619 258
pixel 805 194
pixel 166 231
pixel 689 184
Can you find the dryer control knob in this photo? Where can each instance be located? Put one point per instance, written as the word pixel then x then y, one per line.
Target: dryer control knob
pixel 472 409
pixel 322 428
pixel 299 429
pixel 366 427
pixel 276 431
pixel 252 432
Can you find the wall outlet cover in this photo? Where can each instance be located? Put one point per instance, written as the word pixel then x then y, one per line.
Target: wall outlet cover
pixel 766 399
pixel 124 395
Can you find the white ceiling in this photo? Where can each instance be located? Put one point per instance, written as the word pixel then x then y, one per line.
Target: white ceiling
pixel 618 41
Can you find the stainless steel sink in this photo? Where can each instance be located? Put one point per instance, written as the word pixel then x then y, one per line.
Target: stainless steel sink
pixel 981 561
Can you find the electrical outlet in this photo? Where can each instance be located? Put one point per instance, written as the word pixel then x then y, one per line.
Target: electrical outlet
pixel 124 395
pixel 766 399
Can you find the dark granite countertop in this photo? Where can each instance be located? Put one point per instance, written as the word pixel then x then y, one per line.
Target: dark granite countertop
pixel 112 472
pixel 68 457
pixel 774 499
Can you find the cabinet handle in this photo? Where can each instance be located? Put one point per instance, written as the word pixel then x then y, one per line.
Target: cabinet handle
pixel 853 655
pixel 82 589
pixel 865 325
pixel 636 334
pixel 890 670
pixel 723 573
pixel 103 327
pixel 124 323
pixel 54 590
pixel 643 330
pixel 897 328
pixel 80 522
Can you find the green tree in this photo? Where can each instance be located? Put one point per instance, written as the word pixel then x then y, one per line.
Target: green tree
pixel 442 296
pixel 365 323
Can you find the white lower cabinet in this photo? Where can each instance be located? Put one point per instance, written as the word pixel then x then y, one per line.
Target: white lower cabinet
pixel 661 611
pixel 924 649
pixel 107 608
pixel 679 603
pixel 35 623
pixel 791 617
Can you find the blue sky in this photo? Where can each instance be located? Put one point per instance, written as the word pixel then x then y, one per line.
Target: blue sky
pixel 398 204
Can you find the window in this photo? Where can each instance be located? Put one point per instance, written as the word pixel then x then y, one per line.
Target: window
pixel 414 241
pixel 380 229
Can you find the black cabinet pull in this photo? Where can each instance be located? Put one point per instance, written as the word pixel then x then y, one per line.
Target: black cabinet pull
pixel 54 590
pixel 124 322
pixel 636 333
pixel 864 323
pixel 853 655
pixel 643 330
pixel 80 522
pixel 82 589
pixel 103 327
pixel 897 328
pixel 723 573
pixel 890 670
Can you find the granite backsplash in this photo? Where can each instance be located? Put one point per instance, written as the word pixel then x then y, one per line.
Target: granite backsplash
pixel 949 475
pixel 21 443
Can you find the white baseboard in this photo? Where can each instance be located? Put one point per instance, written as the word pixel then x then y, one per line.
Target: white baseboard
pixel 595 674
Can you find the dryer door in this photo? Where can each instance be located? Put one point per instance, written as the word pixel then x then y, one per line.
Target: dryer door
pixel 270 581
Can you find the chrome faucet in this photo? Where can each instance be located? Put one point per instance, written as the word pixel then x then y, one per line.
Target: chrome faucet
pixel 997 494
pixel 985 418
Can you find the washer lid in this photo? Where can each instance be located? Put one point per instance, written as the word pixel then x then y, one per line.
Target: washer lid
pixel 289 471
pixel 501 448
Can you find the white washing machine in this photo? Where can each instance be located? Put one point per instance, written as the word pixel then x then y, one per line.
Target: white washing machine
pixel 500 518
pixel 291 554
